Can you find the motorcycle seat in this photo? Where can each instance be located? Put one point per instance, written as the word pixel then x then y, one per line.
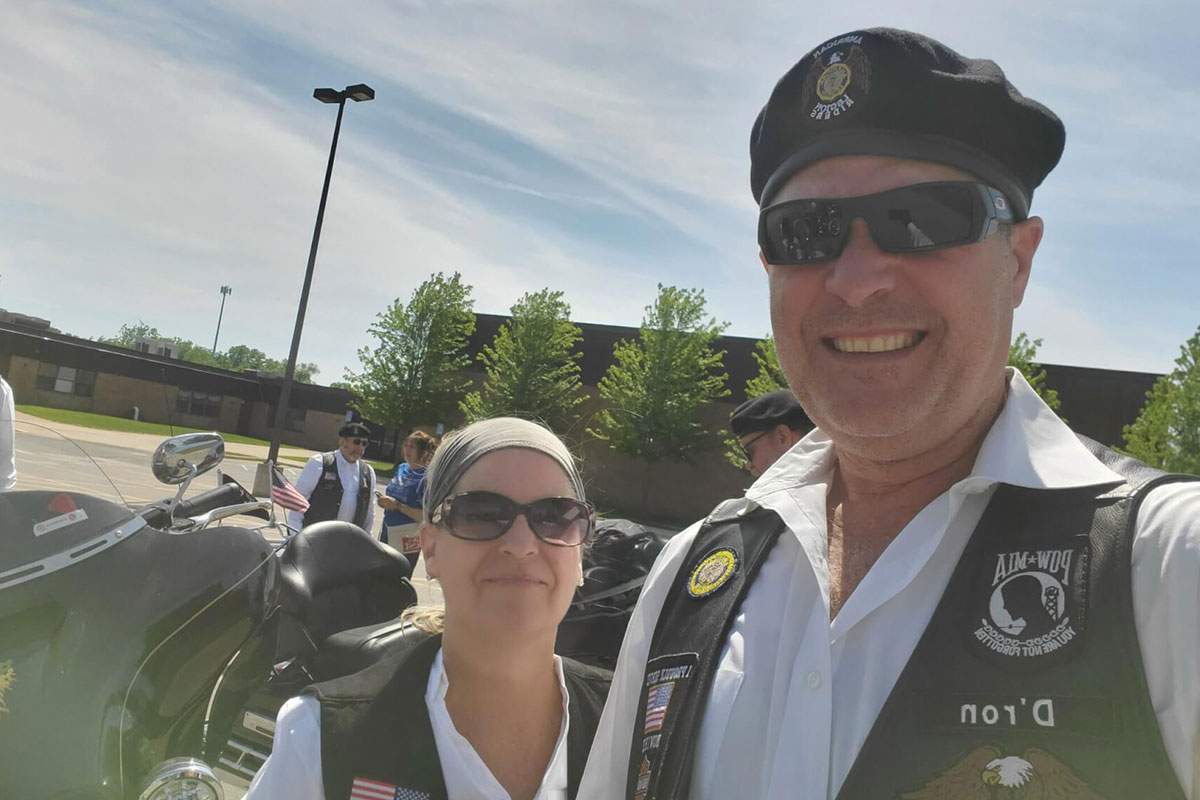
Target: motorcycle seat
pixel 347 652
pixel 334 576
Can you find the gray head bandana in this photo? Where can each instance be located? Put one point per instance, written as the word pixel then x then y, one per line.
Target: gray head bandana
pixel 463 448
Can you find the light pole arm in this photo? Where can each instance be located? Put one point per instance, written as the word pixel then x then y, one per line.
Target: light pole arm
pixel 285 391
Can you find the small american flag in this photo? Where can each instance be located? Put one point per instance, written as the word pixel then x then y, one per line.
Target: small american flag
pixel 657 700
pixel 284 494
pixel 367 789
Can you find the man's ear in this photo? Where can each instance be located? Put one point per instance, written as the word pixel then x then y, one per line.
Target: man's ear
pixel 429 539
pixel 1024 240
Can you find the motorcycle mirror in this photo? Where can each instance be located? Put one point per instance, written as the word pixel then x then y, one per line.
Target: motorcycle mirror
pixel 182 457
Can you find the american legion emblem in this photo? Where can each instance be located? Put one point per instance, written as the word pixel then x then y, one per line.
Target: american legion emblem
pixel 839 77
pixel 987 773
pixel 1033 608
pixel 712 572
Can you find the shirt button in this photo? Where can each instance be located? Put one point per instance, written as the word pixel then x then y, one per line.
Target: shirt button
pixel 814 680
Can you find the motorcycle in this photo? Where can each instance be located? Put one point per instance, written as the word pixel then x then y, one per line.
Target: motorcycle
pixel 144 649
pixel 147 645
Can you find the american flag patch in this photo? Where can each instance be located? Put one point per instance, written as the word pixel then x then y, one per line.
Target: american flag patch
pixel 657 700
pixel 367 789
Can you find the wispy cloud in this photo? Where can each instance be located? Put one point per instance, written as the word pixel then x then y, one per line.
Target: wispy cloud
pixel 156 152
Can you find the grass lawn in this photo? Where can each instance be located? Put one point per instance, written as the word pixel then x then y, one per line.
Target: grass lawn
pixel 85 419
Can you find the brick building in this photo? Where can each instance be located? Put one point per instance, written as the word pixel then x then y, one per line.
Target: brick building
pixel 48 368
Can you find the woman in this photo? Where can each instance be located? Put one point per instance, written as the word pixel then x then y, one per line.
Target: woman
pixel 402 504
pixel 485 710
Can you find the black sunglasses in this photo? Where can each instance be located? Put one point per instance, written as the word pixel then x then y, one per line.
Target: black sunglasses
pixel 746 446
pixel 362 442
pixel 910 219
pixel 484 516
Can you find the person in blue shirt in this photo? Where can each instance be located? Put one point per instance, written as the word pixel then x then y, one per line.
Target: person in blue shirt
pixel 401 501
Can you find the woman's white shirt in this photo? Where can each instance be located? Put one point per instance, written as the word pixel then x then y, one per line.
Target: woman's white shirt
pixel 294 769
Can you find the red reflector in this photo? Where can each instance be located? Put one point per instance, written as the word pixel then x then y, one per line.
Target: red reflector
pixel 62 504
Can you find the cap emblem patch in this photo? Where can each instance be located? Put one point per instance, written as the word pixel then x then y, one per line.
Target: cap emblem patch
pixel 712 572
pixel 833 82
pixel 838 67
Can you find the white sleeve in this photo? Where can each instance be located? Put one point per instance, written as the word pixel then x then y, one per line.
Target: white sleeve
pixel 305 485
pixel 8 439
pixel 1166 602
pixel 607 765
pixel 293 770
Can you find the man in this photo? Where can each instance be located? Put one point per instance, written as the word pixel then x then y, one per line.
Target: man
pixel 862 624
pixel 767 426
pixel 8 424
pixel 340 484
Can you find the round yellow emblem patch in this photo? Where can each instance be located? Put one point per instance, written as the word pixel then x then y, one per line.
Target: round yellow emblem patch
pixel 834 82
pixel 713 571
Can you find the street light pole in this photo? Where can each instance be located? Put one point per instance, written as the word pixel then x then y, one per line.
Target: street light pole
pixel 225 290
pixel 358 92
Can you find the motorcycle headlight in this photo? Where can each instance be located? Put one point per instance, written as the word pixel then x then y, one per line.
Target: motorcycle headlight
pixel 182 779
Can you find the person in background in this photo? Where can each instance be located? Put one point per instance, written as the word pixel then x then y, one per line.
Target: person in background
pixel 767 426
pixel 8 450
pixel 338 484
pixel 401 501
pixel 474 704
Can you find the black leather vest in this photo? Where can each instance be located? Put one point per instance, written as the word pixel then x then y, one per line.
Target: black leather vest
pixel 326 497
pixel 1028 680
pixel 375 725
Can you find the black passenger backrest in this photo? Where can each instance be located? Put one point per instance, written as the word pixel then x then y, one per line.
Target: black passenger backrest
pixel 336 577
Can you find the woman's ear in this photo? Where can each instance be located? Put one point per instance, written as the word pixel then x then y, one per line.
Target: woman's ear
pixel 429 539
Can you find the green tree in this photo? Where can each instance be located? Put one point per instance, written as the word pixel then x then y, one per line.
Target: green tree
pixel 236 358
pixel 129 334
pixel 770 375
pixel 770 378
pixel 532 366
pixel 1166 433
pixel 658 384
pixel 1021 354
pixel 414 373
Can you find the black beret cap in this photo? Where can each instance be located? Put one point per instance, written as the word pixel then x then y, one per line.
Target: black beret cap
pixel 355 429
pixel 766 411
pixel 890 92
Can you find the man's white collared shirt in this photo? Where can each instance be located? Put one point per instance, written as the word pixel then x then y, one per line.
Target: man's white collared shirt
pixel 796 694
pixel 348 473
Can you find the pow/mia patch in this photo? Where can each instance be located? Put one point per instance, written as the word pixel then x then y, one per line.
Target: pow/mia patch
pixel 988 771
pixel 1033 606
pixel 712 572
pixel 839 78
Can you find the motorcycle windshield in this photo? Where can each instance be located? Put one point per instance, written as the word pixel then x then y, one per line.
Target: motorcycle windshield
pixel 63 508
pixel 113 631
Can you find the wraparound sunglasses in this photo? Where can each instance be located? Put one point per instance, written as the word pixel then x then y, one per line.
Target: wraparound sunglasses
pixel 910 219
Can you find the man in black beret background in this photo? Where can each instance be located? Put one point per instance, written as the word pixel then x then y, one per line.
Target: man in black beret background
pixel 941 592
pixel 767 426
pixel 339 484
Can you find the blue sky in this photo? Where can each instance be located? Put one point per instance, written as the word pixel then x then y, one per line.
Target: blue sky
pixel 153 152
